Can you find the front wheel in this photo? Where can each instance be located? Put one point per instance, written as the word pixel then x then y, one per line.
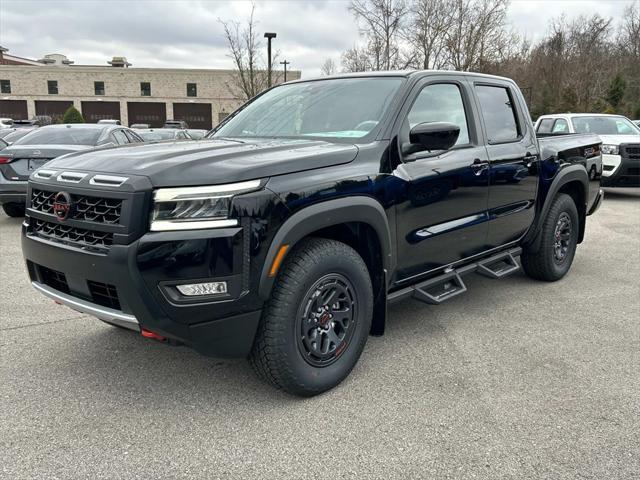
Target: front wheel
pixel 317 321
pixel 559 239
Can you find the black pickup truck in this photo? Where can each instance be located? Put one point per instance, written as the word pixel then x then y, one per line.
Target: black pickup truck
pixel 284 235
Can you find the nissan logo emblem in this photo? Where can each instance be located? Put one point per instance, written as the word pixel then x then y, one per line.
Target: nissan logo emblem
pixel 62 205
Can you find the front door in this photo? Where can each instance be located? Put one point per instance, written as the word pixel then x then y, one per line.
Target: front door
pixel 443 218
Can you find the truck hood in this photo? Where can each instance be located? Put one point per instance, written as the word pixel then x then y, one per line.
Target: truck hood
pixel 41 151
pixel 618 139
pixel 210 162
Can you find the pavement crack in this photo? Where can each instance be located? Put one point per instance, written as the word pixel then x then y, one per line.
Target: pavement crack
pixel 40 323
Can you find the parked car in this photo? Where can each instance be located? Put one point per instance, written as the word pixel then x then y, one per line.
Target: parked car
pixel 285 236
pixel 163 134
pixel 196 134
pixel 176 124
pixel 6 123
pixel 109 121
pixel 10 135
pixel 620 138
pixel 34 122
pixel 140 126
pixel 40 146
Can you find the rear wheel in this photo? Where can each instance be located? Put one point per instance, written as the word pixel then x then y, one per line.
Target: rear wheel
pixel 559 239
pixel 13 209
pixel 317 321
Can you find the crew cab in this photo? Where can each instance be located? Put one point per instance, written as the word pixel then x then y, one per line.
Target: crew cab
pixel 620 138
pixel 284 235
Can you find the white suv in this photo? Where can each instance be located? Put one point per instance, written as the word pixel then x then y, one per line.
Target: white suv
pixel 620 142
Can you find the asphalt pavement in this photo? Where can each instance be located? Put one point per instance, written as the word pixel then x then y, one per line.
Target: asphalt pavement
pixel 515 379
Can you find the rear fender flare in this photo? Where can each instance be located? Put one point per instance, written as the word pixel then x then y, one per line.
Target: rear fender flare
pixel 566 175
pixel 326 214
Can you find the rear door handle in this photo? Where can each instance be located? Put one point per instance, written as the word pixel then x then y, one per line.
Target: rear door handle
pixel 478 166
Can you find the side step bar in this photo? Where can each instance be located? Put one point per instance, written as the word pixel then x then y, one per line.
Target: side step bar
pixel 443 287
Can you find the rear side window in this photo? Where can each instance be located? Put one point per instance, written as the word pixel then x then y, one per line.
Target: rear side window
pixel 120 137
pixel 440 103
pixel 498 113
pixel 545 125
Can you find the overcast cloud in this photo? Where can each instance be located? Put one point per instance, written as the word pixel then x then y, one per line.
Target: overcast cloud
pixel 176 33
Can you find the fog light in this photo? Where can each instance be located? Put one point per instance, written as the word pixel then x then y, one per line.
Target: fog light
pixel 210 288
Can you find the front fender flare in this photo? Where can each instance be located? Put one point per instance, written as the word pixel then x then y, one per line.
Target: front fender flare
pixel 326 214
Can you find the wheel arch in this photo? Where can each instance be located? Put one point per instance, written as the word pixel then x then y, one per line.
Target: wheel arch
pixel 360 222
pixel 572 180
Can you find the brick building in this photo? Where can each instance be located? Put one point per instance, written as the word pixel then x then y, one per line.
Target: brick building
pixel 50 85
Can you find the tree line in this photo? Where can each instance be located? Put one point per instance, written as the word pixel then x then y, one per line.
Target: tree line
pixel 588 64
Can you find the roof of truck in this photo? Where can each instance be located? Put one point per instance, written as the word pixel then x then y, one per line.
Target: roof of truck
pixel 401 73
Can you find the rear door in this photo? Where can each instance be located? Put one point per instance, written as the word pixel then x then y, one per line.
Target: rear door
pixel 514 160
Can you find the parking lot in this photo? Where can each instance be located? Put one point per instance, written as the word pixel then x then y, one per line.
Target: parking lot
pixel 515 379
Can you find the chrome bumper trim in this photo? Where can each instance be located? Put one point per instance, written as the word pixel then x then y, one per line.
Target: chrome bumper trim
pixel 103 313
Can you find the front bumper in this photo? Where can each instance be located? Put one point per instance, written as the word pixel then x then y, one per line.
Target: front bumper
pixel 144 273
pixel 12 191
pixel 621 170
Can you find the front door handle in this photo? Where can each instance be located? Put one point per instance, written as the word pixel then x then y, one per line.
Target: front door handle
pixel 478 166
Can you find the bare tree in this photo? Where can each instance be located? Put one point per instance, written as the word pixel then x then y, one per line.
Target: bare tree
pixel 477 34
pixel 382 23
pixel 629 36
pixel 250 75
pixel 329 67
pixel 426 34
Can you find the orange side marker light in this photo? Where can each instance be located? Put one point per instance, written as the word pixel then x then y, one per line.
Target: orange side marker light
pixel 278 260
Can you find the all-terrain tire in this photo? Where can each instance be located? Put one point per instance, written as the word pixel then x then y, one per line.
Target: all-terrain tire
pixel 558 242
pixel 13 209
pixel 323 292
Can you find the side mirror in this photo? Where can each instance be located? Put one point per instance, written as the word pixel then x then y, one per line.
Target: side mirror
pixel 432 136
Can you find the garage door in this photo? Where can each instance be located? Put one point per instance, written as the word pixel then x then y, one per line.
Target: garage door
pixel 94 111
pixel 53 108
pixel 152 113
pixel 197 115
pixel 14 109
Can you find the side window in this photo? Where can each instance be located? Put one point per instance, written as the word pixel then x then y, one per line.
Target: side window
pixel 498 113
pixel 560 126
pixel 440 102
pixel 133 138
pixel 545 125
pixel 120 137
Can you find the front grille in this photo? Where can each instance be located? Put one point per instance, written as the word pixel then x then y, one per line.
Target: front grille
pixel 54 279
pixel 104 294
pixel 88 208
pixel 78 236
pixel 632 151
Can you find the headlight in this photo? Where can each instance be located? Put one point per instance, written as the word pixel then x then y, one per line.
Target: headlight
pixel 610 149
pixel 189 208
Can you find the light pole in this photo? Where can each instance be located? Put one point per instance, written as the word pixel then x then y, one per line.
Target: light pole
pixel 269 36
pixel 285 63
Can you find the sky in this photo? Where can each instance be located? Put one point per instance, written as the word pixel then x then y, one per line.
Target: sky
pixel 182 33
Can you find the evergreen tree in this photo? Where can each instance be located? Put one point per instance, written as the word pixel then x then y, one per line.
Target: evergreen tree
pixel 616 91
pixel 72 115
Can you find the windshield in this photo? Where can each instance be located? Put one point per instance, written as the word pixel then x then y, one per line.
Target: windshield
pixel 604 125
pixel 337 108
pixel 61 136
pixel 157 135
pixel 15 135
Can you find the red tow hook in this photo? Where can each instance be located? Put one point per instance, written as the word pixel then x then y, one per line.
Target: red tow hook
pixel 149 334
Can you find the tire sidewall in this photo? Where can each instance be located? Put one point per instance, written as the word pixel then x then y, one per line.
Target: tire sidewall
pixel 566 205
pixel 323 378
